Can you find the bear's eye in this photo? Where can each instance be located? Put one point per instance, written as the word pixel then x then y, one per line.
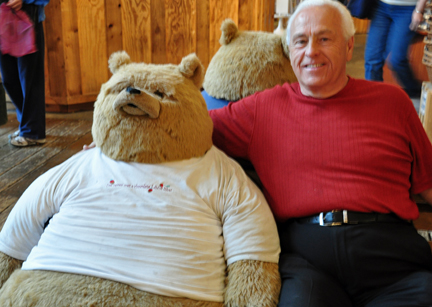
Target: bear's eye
pixel 158 93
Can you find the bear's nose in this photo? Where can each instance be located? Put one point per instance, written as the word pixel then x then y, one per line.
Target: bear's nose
pixel 134 102
pixel 132 90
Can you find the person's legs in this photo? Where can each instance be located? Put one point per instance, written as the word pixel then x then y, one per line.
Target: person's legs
pixel 32 78
pixel 413 290
pixel 399 44
pixel 11 81
pixel 309 267
pixel 391 265
pixel 363 261
pixel 375 50
pixel 303 285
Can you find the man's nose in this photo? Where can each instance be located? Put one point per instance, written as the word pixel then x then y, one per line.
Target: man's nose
pixel 312 48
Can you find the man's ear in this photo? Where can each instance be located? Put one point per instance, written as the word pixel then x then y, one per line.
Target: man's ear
pixel 350 48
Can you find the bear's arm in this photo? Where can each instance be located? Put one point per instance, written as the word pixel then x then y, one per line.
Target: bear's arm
pixel 7 266
pixel 252 283
pixel 251 241
pixel 39 202
pixel 25 223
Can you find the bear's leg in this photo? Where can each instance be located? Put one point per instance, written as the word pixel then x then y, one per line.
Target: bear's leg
pixel 55 289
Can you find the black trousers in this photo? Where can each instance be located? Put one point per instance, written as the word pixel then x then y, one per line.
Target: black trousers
pixel 377 264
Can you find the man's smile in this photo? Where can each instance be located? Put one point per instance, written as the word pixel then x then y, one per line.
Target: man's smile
pixel 313 65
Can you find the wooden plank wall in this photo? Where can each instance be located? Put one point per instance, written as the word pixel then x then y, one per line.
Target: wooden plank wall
pixel 361 25
pixel 81 35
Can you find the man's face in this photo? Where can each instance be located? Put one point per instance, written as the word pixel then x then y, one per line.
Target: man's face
pixel 319 51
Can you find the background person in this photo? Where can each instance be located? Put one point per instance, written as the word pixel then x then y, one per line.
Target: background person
pixel 24 80
pixel 392 28
pixel 331 142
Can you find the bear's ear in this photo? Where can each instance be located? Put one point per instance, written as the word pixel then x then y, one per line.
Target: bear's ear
pixel 229 30
pixel 118 59
pixel 192 68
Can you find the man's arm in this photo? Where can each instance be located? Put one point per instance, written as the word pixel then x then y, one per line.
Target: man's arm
pixel 233 126
pixel 427 196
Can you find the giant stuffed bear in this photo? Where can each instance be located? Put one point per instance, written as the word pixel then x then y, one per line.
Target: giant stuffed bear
pixel 247 62
pixel 155 215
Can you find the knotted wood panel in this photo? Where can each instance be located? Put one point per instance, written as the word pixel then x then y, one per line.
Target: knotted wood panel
pixel 82 34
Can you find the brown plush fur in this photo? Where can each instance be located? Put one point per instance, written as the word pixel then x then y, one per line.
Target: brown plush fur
pixel 53 289
pixel 249 283
pixel 247 62
pixel 177 130
pixel 8 265
pixel 252 283
pixel 142 126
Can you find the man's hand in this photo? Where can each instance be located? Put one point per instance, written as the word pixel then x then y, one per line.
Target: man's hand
pixel 92 145
pixel 427 196
pixel 16 5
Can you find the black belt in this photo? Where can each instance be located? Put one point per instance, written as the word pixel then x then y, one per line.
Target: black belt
pixel 341 217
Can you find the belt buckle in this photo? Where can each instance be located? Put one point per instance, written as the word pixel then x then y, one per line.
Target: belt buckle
pixel 323 223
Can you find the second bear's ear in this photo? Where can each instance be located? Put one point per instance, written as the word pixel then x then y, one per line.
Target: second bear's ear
pixel 229 30
pixel 191 68
pixel 117 60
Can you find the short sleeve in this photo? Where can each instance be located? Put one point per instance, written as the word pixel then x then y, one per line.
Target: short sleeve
pixel 233 126
pixel 248 225
pixel 39 202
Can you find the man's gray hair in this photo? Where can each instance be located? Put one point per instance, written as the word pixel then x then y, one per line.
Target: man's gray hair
pixel 348 27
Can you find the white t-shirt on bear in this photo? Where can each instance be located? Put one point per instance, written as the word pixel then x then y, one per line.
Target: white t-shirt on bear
pixel 169 228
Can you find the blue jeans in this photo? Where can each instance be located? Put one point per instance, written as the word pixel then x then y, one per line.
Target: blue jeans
pixel 390 37
pixel 24 81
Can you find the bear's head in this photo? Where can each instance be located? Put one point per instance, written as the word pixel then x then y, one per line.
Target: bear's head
pixel 247 62
pixel 151 113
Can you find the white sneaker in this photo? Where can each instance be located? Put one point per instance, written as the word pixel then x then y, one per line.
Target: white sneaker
pixel 21 141
pixel 14 135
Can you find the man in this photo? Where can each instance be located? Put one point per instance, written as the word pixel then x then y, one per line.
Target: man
pixel 331 142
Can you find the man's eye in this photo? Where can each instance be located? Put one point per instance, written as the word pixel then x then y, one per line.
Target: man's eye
pixel 300 42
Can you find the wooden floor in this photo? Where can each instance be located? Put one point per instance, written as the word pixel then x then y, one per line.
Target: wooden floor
pixel 20 166
pixel 66 135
